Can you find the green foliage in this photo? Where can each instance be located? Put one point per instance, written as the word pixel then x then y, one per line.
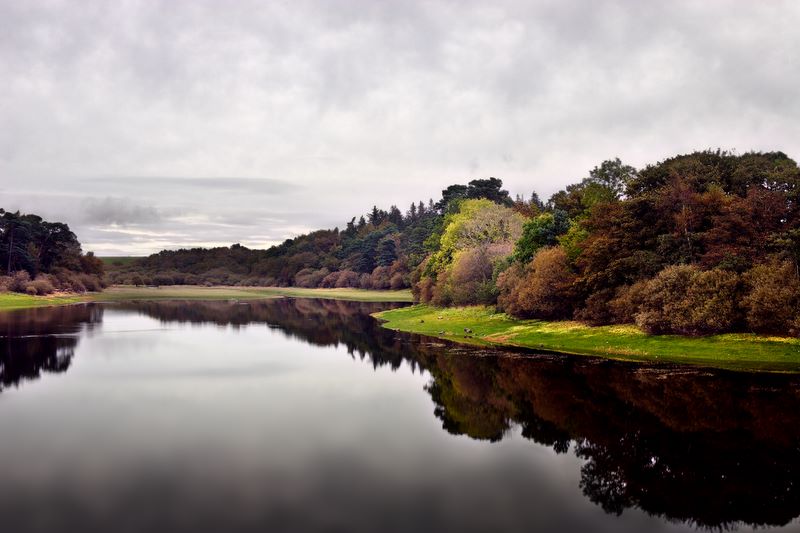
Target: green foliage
pixel 490 189
pixel 542 231
pixel 475 239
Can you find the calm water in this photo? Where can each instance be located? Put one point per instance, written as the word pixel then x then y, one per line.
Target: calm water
pixel 293 415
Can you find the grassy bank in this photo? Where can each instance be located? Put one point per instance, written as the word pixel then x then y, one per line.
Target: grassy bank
pixel 743 352
pixel 12 300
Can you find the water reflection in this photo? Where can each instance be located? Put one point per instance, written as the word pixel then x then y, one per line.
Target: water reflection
pixel 707 448
pixel 33 341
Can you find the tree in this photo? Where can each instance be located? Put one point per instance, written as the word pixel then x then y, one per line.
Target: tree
pixel 544 288
pixel 539 232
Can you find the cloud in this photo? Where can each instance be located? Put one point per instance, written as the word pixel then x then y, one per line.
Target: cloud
pixel 304 114
pixel 117 211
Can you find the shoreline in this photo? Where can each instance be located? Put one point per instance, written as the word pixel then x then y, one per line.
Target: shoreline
pixel 742 352
pixel 12 301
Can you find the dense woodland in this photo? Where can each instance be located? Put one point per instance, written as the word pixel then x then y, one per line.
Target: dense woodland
pixel 701 243
pixel 39 257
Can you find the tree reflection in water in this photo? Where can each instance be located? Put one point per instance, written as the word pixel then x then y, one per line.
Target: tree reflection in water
pixel 33 341
pixel 710 448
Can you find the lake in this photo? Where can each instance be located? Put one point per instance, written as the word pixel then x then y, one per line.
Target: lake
pixel 305 415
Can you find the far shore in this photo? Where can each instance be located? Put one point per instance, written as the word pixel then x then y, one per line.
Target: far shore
pixel 10 300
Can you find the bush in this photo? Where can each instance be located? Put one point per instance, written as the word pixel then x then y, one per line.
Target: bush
pixel 41 285
pixel 19 281
pixel 472 276
pixel 627 302
pixel 5 283
pixel 508 283
pixel 310 278
pixel 423 290
pixel 30 289
pixel 90 282
pixel 348 279
pixel 380 278
pixel 545 288
pixel 597 309
pixel 398 281
pixel 682 299
pixel 330 280
pixel 772 298
pixel 163 279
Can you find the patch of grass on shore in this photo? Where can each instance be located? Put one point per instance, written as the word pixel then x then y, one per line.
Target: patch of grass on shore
pixel 13 300
pixel 120 260
pixel 188 292
pixel 742 352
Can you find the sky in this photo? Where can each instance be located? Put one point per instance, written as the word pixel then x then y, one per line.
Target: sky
pixel 165 124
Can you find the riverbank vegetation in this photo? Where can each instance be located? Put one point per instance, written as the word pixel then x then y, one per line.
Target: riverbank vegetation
pixel 38 257
pixel 699 244
pixel 483 325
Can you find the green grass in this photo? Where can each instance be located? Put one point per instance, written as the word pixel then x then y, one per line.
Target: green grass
pixel 12 300
pixel 121 260
pixel 186 292
pixel 742 352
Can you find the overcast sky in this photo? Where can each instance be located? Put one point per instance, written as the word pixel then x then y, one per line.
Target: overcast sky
pixel 149 125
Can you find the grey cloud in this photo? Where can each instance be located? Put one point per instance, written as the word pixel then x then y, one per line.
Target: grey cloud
pixel 117 211
pixel 217 184
pixel 343 105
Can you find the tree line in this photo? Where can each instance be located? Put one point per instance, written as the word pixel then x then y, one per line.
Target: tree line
pixel 700 243
pixel 40 257
pixel 377 250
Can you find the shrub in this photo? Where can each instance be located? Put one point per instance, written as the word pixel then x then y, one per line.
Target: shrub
pixel 330 280
pixel 19 281
pixel 682 299
pixel 545 288
pixel 380 278
pixel 772 298
pixel 162 279
pixel 713 297
pixel 90 282
pixel 42 285
pixel 310 278
pixel 5 283
pixel 472 276
pixel 627 302
pixel 664 307
pixel 30 289
pixel 398 281
pixel 348 278
pixel 423 290
pixel 597 308
pixel 508 283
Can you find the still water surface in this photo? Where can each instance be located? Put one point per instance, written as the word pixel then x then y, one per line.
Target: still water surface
pixel 304 415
